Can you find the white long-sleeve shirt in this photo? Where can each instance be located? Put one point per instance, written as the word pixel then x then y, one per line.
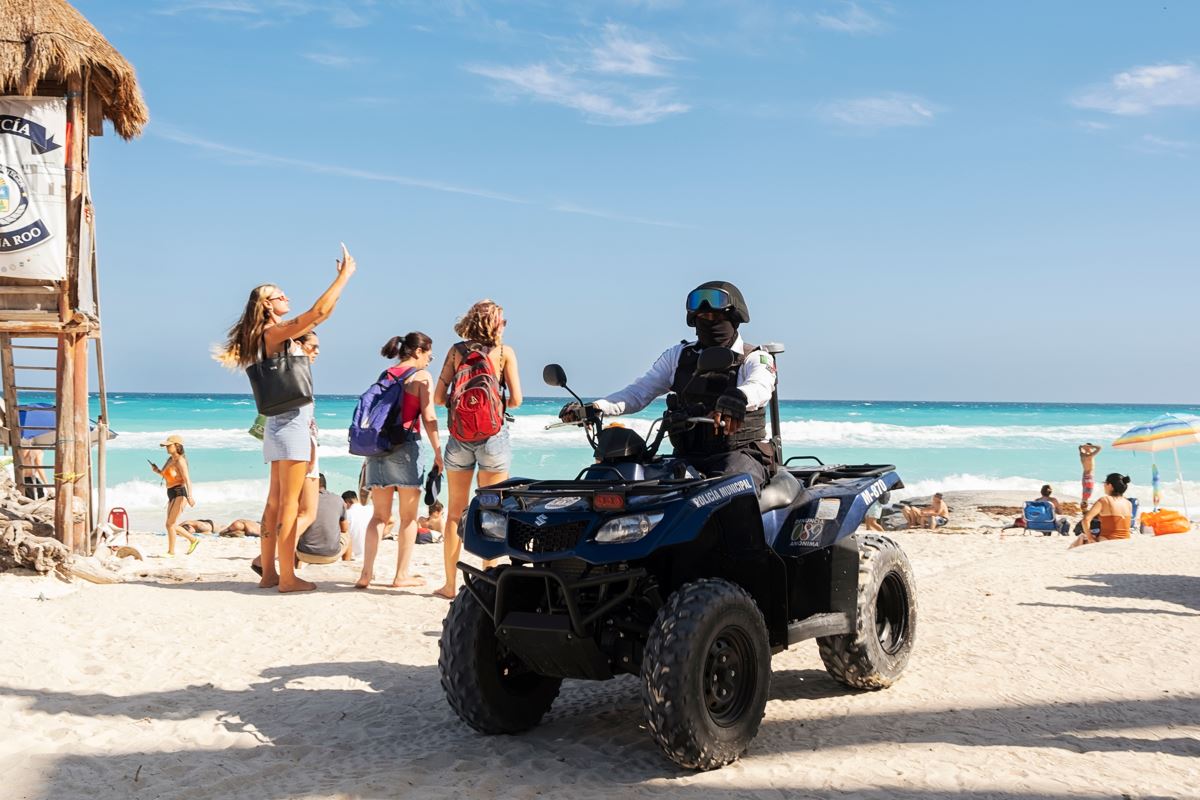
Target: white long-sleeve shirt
pixel 756 379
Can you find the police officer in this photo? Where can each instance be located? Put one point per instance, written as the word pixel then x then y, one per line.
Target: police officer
pixel 736 401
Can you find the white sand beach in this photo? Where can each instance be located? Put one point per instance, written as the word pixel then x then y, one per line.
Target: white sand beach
pixel 1038 672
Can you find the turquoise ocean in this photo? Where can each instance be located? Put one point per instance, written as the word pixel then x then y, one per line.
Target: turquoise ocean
pixel 935 446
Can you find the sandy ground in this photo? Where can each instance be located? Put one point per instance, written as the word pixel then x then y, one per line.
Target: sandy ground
pixel 1037 673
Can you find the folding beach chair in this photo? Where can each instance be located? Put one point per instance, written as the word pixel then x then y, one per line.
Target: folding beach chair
pixel 1039 516
pixel 118 518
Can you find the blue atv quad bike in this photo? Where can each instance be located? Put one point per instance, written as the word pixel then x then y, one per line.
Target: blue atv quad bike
pixel 639 565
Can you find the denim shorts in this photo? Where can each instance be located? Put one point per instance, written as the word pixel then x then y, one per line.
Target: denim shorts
pixel 401 468
pixel 493 454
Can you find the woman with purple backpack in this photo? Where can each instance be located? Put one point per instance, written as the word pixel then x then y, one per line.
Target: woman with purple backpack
pixel 478 383
pixel 400 471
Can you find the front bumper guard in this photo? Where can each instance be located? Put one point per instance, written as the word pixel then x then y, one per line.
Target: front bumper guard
pixel 579 620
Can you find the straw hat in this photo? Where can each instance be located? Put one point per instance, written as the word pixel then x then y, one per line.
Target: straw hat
pixel 172 440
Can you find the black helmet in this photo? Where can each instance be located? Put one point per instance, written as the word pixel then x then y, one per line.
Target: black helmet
pixel 717 296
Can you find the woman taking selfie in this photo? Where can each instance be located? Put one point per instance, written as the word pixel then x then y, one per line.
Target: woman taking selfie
pixel 263 333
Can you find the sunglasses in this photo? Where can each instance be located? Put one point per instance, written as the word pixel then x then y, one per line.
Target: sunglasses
pixel 709 300
pixel 277 297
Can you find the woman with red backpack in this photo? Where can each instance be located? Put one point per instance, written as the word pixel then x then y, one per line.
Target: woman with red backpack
pixel 400 470
pixel 477 385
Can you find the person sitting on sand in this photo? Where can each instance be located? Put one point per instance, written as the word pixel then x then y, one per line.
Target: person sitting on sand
pixel 327 539
pixel 1087 457
pixel 430 527
pixel 1047 494
pixel 875 511
pixel 358 514
pixel 242 527
pixel 937 513
pixel 1113 510
pixel 433 521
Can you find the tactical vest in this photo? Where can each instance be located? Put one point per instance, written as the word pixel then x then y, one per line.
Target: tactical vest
pixel 698 396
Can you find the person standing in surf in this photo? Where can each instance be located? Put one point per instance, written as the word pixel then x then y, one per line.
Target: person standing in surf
pixel 287 437
pixel 1087 457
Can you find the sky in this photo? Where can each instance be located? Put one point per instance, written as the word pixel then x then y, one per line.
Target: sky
pixel 923 200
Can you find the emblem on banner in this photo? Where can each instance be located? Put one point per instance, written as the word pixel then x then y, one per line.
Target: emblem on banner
pixel 14 202
pixel 14 199
pixel 33 194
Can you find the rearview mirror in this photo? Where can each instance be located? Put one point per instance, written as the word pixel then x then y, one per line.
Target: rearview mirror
pixel 554 375
pixel 716 359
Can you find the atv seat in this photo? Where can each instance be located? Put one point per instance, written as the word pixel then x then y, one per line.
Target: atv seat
pixel 780 491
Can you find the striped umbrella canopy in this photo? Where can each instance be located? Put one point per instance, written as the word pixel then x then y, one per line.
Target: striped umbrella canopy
pixel 1165 432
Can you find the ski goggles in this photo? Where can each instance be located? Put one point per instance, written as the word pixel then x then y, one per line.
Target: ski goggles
pixel 709 300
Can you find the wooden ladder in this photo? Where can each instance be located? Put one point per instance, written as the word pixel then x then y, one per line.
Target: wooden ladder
pixel 22 377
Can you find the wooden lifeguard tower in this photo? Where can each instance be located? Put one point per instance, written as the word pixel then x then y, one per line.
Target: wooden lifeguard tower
pixel 54 63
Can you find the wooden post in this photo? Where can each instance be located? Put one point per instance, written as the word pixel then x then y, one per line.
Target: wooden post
pixel 82 477
pixel 64 442
pixel 72 436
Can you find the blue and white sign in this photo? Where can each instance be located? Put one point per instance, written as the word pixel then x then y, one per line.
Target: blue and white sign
pixel 33 188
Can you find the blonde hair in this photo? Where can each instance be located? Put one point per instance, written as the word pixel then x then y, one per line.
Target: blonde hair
pixel 243 340
pixel 481 323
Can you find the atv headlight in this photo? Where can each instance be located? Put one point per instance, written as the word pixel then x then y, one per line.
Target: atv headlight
pixel 628 528
pixel 493 525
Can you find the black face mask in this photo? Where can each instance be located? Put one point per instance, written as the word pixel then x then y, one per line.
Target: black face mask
pixel 715 332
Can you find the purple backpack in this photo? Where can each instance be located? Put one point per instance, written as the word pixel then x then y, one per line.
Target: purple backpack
pixel 373 431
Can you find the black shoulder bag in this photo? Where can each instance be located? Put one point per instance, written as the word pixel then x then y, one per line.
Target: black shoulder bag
pixel 280 383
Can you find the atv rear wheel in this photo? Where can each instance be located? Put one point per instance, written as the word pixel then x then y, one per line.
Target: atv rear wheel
pixel 706 673
pixel 886 619
pixel 491 689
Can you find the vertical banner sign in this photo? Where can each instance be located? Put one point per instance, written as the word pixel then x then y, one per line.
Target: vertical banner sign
pixel 33 188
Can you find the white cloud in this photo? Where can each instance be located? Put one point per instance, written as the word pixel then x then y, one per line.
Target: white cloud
pixel 571 208
pixel 1162 146
pixel 262 13
pixel 1141 90
pixel 622 53
pixel 245 157
pixel 607 104
pixel 334 60
pixel 1093 125
pixel 852 19
pixel 211 7
pixel 894 110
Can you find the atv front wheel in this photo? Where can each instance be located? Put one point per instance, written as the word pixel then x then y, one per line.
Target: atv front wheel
pixel 886 619
pixel 706 673
pixel 491 689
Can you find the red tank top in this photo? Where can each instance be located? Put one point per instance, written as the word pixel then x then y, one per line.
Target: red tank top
pixel 410 406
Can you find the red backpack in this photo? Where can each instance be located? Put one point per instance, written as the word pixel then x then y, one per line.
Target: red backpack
pixel 476 404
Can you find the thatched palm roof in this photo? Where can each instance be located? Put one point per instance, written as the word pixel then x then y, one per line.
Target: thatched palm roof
pixel 48 40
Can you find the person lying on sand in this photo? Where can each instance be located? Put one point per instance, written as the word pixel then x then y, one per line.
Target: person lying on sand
pixel 198 526
pixel 243 527
pixel 937 513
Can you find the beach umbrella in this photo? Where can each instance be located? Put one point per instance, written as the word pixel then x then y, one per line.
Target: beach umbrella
pixel 1165 432
pixel 38 425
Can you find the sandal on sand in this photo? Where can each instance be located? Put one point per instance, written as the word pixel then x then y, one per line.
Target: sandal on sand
pixel 192 547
